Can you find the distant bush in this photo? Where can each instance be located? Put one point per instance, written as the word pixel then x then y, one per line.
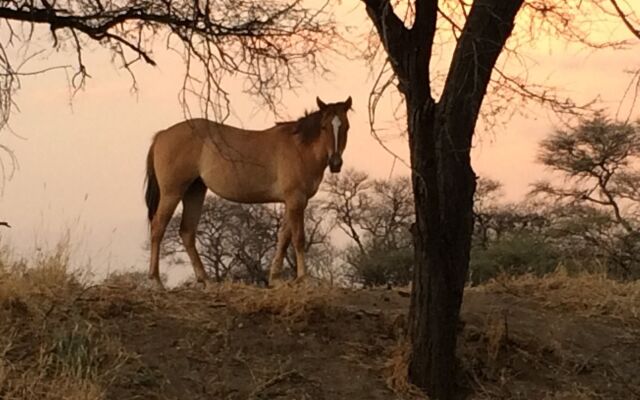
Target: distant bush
pixel 381 267
pixel 515 254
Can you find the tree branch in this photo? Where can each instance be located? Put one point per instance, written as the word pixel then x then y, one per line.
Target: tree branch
pixel 391 30
pixel 487 28
pixel 625 19
pixel 424 27
pixel 266 42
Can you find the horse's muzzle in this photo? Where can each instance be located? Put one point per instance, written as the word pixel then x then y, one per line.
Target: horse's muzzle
pixel 335 163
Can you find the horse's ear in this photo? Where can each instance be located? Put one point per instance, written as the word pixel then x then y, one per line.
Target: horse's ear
pixel 321 104
pixel 348 103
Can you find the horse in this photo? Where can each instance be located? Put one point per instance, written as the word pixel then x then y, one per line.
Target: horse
pixel 281 164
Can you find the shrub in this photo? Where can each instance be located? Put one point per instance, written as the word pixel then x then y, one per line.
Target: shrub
pixel 381 267
pixel 514 255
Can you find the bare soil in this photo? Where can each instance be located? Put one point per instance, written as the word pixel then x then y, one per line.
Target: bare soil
pixel 237 342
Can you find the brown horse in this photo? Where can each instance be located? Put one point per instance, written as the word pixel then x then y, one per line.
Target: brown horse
pixel 282 164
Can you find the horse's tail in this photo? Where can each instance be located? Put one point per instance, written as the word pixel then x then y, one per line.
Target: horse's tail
pixel 152 195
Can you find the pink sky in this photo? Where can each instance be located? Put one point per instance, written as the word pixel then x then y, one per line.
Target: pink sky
pixel 82 163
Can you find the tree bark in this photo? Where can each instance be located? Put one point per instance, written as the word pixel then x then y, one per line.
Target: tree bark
pixel 443 181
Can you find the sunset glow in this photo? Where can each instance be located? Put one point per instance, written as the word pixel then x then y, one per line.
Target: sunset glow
pixel 82 157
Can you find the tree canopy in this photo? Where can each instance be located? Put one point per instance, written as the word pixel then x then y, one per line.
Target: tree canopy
pixel 269 45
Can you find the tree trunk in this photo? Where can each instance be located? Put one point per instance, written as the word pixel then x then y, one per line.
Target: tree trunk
pixel 444 183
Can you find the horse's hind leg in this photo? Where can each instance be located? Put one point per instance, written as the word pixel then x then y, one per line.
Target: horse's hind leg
pixel 166 207
pixel 192 202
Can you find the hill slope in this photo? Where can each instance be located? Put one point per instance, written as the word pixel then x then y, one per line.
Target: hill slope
pixel 551 338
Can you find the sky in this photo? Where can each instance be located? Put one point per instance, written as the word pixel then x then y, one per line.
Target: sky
pixel 82 158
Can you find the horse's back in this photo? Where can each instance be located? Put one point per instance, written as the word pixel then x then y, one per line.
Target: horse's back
pixel 237 164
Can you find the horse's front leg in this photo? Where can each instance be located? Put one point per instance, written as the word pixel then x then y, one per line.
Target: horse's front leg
pixel 284 238
pixel 295 216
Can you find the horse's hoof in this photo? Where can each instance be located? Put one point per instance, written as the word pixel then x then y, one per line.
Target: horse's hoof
pixel 157 285
pixel 203 284
pixel 276 283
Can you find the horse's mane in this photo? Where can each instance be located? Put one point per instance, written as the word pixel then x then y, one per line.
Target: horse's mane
pixel 308 126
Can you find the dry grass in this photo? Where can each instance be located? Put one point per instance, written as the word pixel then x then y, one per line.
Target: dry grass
pixel 289 302
pixel 496 334
pixel 397 371
pixel 46 274
pixel 73 364
pixel 577 392
pixel 587 294
pixel 41 359
pixel 551 347
pixel 54 342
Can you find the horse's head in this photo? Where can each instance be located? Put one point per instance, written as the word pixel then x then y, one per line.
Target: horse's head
pixel 335 124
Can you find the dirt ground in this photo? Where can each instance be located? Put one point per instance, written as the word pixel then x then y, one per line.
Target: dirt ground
pixel 119 341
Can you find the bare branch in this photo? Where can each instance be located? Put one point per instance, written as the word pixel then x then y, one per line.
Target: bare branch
pixel 390 29
pixel 625 19
pixel 266 42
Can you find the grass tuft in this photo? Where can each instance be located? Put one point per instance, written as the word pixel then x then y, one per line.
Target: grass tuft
pixel 293 302
pixel 397 371
pixel 587 294
pixel 47 351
